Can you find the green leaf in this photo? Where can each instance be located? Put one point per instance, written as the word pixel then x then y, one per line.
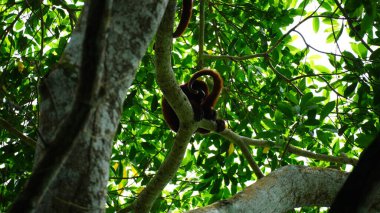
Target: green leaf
pixel 375 55
pixel 129 100
pixel 324 137
pixel 312 122
pixel 362 51
pixel 148 147
pixel 285 108
pixel 367 22
pixel 355 48
pixel 350 89
pixel 322 69
pixel 330 38
pixel 316 24
pixel 326 110
pixel 364 140
pixel 120 170
pixel 154 104
pixel 216 186
pixel 19 25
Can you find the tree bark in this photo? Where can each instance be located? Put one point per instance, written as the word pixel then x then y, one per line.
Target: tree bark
pixel 285 189
pixel 81 183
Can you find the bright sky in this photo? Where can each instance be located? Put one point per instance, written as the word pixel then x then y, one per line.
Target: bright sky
pixel 318 40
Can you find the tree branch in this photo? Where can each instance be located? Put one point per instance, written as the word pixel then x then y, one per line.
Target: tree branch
pixel 300 152
pixel 233 137
pixel 349 21
pixel 15 132
pixel 283 190
pixel 177 99
pixel 237 140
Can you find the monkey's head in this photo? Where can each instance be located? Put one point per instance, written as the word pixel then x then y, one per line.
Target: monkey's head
pixel 198 88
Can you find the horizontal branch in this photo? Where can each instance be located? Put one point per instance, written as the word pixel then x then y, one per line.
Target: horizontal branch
pixel 300 152
pixel 234 58
pixel 285 189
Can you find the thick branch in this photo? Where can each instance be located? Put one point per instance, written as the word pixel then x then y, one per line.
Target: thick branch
pixel 361 188
pixel 177 99
pixel 285 189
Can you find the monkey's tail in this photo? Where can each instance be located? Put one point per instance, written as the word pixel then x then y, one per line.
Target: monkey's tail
pixel 187 8
pixel 212 98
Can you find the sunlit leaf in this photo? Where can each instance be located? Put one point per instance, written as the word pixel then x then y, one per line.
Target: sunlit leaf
pixel 316 24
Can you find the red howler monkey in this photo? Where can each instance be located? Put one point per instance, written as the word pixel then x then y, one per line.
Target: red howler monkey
pixel 187 8
pixel 200 99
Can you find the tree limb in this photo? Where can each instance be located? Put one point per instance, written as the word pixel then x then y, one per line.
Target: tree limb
pixel 177 99
pixel 300 152
pixel 285 189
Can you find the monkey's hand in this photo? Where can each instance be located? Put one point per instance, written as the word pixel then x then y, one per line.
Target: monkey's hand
pixel 198 113
pixel 210 114
pixel 220 125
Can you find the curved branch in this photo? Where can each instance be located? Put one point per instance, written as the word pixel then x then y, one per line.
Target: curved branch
pixel 285 78
pixel 242 142
pixel 177 99
pixel 293 28
pixel 321 77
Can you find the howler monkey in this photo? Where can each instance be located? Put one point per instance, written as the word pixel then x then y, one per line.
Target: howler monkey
pixel 200 99
pixel 187 8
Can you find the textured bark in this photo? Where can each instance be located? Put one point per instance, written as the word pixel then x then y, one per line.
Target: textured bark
pixel 80 186
pixel 169 86
pixel 285 189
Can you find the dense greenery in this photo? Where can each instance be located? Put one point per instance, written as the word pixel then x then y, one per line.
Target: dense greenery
pixel 295 92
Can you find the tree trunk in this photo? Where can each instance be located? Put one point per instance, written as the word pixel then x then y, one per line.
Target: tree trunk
pixel 82 182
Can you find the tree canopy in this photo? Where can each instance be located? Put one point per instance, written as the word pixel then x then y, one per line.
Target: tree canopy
pixel 301 87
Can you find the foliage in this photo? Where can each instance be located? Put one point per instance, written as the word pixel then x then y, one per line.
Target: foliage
pixel 321 100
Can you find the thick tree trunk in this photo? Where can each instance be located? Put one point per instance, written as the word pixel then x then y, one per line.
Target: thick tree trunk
pixel 81 183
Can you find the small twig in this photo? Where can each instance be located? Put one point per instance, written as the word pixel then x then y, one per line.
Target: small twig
pixel 13 131
pixel 321 77
pixel 293 28
pixel 234 58
pixel 349 21
pixel 285 78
